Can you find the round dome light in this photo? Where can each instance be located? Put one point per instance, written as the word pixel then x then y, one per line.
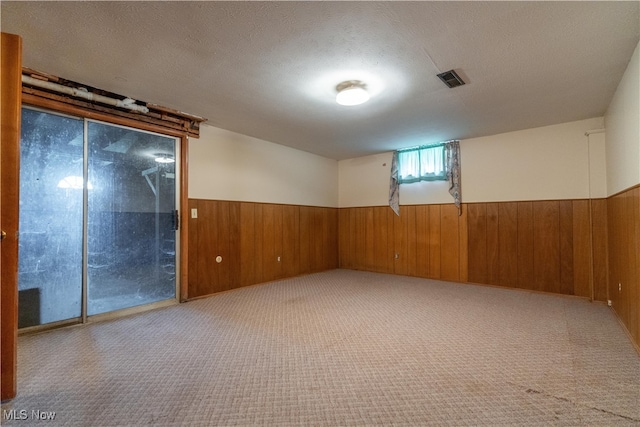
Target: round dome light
pixel 351 93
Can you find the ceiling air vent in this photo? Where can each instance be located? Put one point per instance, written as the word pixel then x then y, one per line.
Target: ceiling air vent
pixel 451 79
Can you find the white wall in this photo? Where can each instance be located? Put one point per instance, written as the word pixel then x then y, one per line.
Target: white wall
pixel 224 165
pixel 622 120
pixel 364 181
pixel 547 163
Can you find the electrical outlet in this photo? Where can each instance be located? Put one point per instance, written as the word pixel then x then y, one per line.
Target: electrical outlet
pixel 619 287
pixel 278 259
pixel 397 256
pixel 609 303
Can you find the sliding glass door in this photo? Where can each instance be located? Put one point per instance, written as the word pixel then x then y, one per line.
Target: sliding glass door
pixel 98 219
pixel 51 209
pixel 131 227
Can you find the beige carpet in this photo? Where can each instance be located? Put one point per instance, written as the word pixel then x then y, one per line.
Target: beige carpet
pixel 339 348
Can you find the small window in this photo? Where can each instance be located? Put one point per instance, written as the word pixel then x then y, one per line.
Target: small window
pixel 426 163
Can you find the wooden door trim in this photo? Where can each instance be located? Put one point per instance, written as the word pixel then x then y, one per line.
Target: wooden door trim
pixel 9 170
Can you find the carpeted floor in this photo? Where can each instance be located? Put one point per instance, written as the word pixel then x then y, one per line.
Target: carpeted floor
pixel 338 348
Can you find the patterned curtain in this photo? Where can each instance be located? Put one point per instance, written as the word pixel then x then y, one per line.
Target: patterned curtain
pixel 394 185
pixel 452 150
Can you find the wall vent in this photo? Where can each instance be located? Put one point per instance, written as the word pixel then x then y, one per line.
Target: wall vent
pixel 451 79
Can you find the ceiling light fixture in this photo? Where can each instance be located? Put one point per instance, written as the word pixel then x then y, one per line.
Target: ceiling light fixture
pixel 351 92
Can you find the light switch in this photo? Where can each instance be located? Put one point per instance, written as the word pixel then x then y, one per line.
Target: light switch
pixel 194 213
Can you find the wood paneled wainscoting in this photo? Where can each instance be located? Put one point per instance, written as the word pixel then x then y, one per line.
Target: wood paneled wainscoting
pixel 424 241
pixel 537 245
pixel 552 246
pixel 256 243
pixel 624 258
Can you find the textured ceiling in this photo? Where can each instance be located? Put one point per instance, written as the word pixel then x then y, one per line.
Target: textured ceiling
pixel 269 69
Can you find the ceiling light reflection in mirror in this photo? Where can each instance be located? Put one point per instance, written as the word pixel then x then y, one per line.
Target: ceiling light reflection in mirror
pixel 74 182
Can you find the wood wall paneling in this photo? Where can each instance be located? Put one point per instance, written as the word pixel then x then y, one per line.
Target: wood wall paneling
pixel 213 246
pixel 381 246
pixel 566 284
pixel 247 245
pixel 324 235
pixel 508 244
pixel 344 238
pixel 546 249
pixel 360 228
pixel 477 224
pixel 224 231
pixel 615 210
pixel 194 251
pixel 627 275
pixel 600 249
pixel 581 248
pixel 290 241
pixel 352 237
pixel 328 231
pixel 235 250
pixel 634 283
pixel 205 251
pixel 449 243
pixel 369 239
pixel 412 241
pixel 390 216
pixel 215 232
pixel 541 245
pixel 317 244
pixel 400 229
pixel 626 249
pixel 306 223
pixel 271 242
pixel 258 242
pixel 525 245
pixel 623 214
pixel 331 246
pixel 425 238
pixel 493 243
pixel 464 245
pixel 435 233
pixel 628 292
pixel 422 232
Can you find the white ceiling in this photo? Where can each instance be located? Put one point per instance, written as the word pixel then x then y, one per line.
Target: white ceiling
pixel 269 69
